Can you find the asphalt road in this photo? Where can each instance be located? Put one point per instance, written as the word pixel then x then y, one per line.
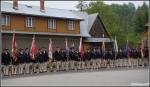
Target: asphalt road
pixel 122 76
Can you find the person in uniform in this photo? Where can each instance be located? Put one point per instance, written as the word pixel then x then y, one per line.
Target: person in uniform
pixel 67 59
pixel 139 56
pixel 34 63
pixel 87 55
pixel 39 57
pixel 63 58
pixel 111 57
pixel 94 57
pixel 78 59
pixel 6 59
pixel 120 57
pixel 130 57
pixel 99 55
pixel 146 59
pixel 52 62
pixel 21 60
pixel 58 58
pixel 106 58
pixel 15 64
pixel 27 59
pixel 124 58
pixel 45 59
pixel 135 56
pixel 72 58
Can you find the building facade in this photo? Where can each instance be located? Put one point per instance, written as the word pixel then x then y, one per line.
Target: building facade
pixel 48 23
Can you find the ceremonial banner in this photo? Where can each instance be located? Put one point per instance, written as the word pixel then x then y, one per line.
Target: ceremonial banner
pixel 127 49
pixel 81 50
pixel 33 49
pixel 67 49
pixel 50 51
pixel 14 47
pixel 115 47
pixel 103 46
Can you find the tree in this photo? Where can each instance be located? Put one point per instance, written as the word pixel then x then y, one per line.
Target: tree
pixel 81 6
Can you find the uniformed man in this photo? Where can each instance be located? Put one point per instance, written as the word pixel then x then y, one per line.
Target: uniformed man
pixel 63 59
pixel 87 56
pixel 21 60
pixel 27 59
pixel 78 59
pixel 105 58
pixel 94 57
pixel 130 57
pixel 146 55
pixel 99 59
pixel 58 58
pixel 72 58
pixel 51 64
pixel 111 57
pixel 39 57
pixel 6 59
pixel 120 57
pixel 135 56
pixel 34 63
pixel 45 59
pixel 15 63
pixel 124 58
pixel 139 56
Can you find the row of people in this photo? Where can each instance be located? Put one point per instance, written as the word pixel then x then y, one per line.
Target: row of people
pixel 64 60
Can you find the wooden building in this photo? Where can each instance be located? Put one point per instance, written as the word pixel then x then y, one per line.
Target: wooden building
pixel 145 34
pixel 45 23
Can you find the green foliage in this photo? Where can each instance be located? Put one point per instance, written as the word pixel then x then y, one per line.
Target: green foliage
pixel 81 6
pixel 123 21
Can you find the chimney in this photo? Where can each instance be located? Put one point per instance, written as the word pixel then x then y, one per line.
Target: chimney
pixel 42 5
pixel 15 4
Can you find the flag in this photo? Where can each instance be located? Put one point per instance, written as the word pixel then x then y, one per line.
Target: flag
pixel 81 50
pixel 50 55
pixel 67 49
pixel 103 46
pixel 115 47
pixel 142 49
pixel 14 47
pixel 127 49
pixel 33 48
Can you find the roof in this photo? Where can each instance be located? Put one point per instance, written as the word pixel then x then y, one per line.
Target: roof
pixel 145 33
pixel 96 40
pixel 35 10
pixel 147 24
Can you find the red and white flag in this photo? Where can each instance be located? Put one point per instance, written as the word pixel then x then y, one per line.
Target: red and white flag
pixel 14 46
pixel 142 49
pixel 81 50
pixel 33 48
pixel 50 49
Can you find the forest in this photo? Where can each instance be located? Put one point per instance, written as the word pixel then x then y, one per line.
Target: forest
pixel 123 21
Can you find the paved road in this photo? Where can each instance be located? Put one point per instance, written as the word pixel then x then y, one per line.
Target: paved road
pixel 99 77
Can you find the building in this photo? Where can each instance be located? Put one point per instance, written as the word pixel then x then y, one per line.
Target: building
pixel 145 34
pixel 44 23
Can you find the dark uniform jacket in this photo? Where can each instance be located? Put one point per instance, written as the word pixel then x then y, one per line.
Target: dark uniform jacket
pixel 58 55
pixel 72 55
pixel 6 59
pixel 21 57
pixel 135 54
pixel 131 54
pixel 53 56
pixel 77 56
pixel 63 56
pixel 120 54
pixel 139 53
pixel 93 54
pixel 146 53
pixel 111 55
pixel 87 55
pixel 45 56
pixel 99 53
pixel 39 57
pixel 124 54
pixel 106 55
pixel 27 57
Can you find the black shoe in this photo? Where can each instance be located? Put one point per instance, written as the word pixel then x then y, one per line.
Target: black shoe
pixel 35 72
pixel 15 74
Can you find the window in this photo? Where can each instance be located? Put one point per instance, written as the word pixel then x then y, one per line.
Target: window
pixel 51 23
pixel 70 25
pixel 72 44
pixel 5 20
pixel 29 21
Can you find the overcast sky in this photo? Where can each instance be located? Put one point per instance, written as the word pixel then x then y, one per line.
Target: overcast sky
pixel 71 4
